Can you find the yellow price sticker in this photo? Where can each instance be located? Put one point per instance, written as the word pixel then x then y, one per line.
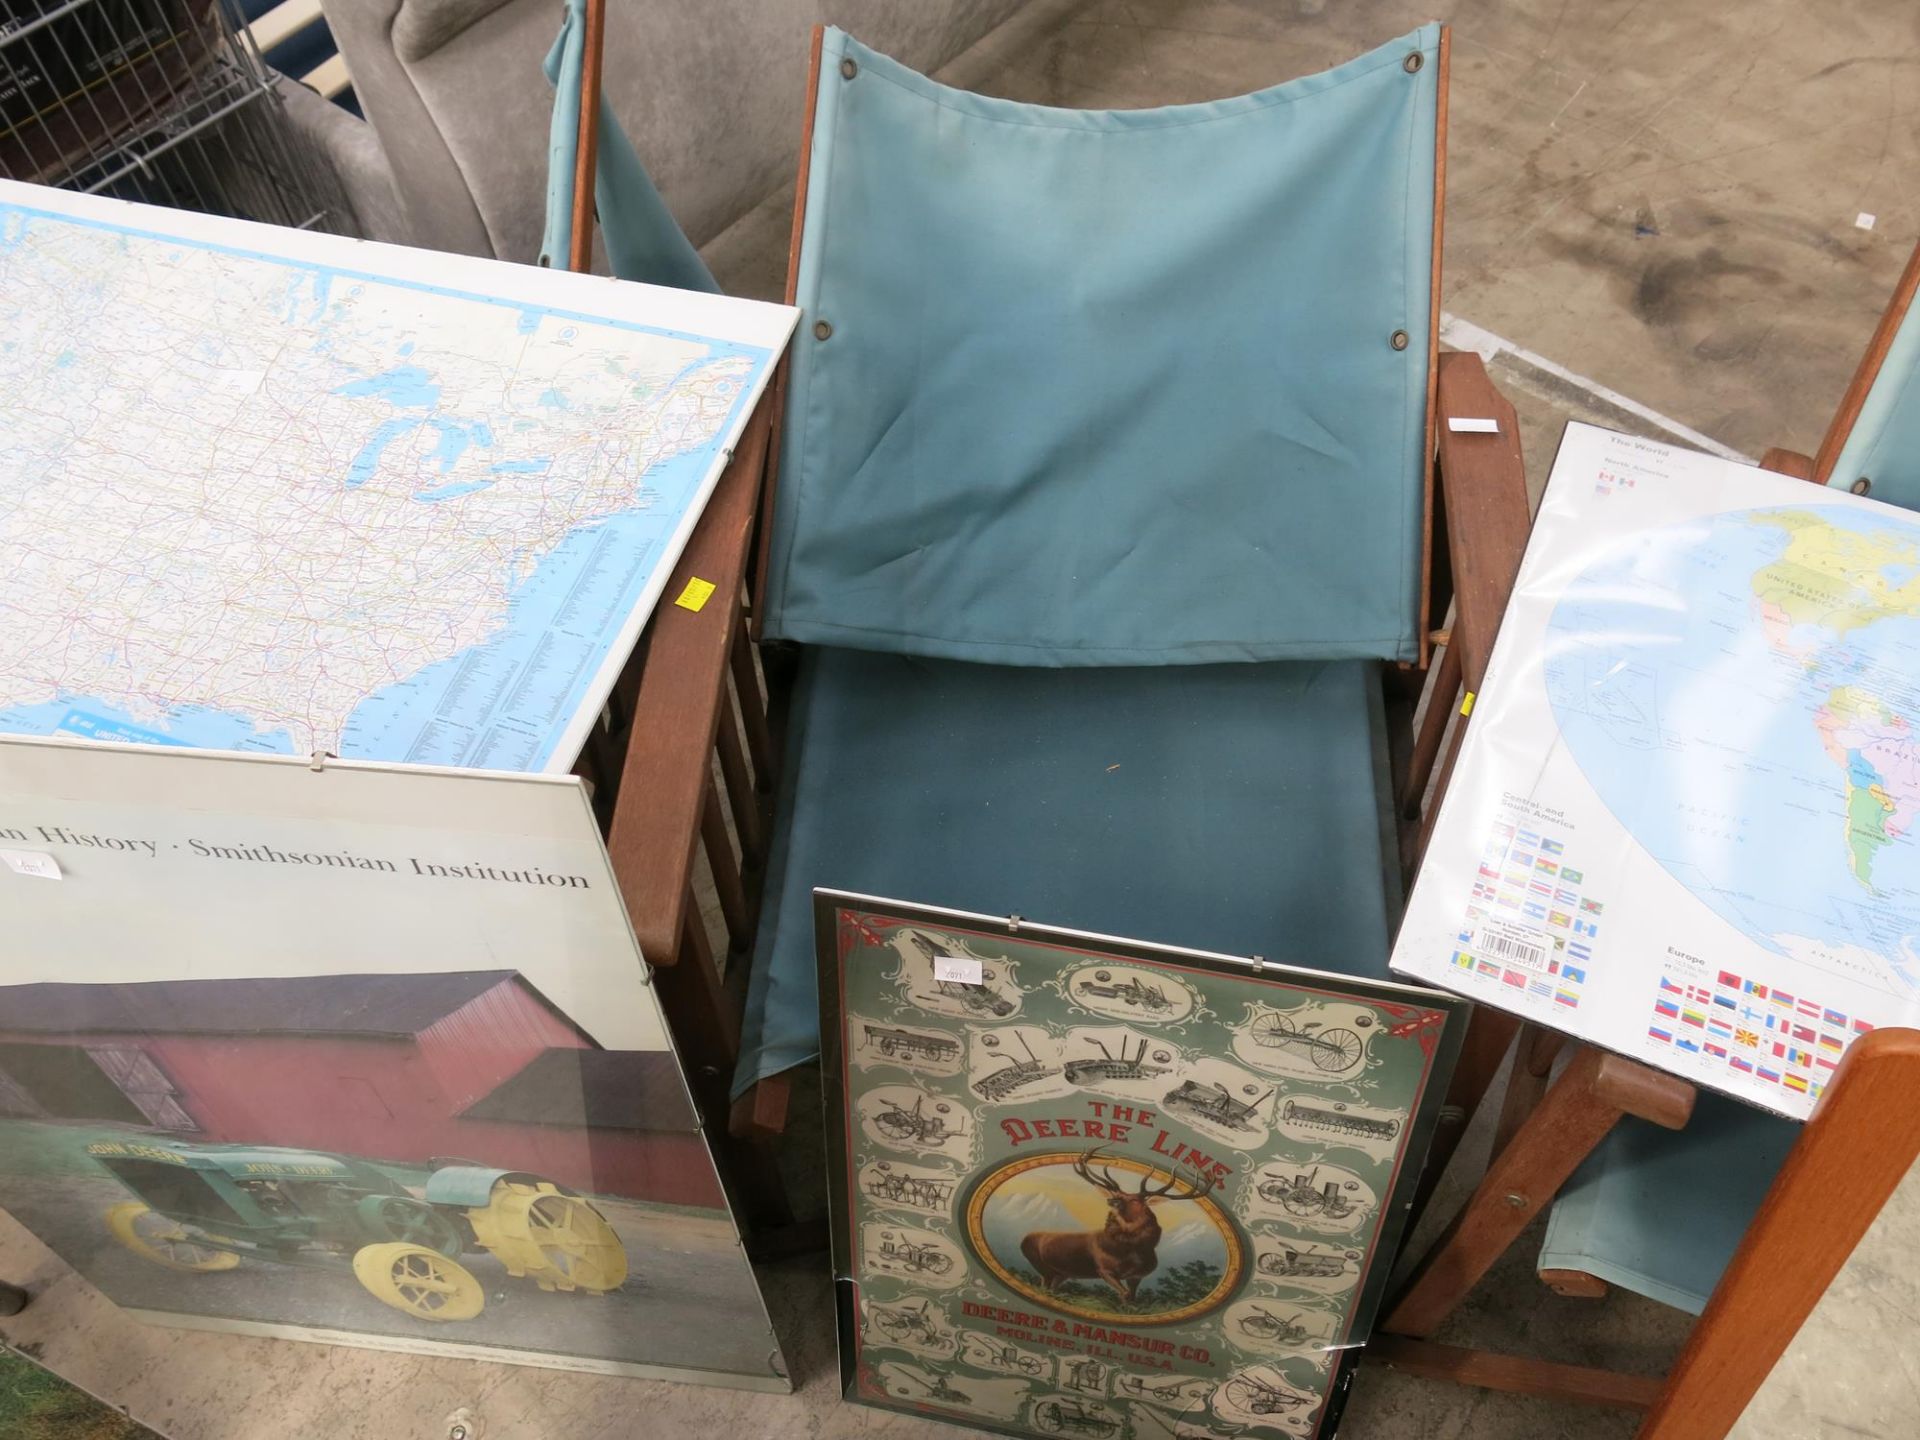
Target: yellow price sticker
pixel 696 595
pixel 1466 705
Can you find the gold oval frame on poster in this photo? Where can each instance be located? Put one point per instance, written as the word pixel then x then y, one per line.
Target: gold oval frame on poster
pixel 1027 1178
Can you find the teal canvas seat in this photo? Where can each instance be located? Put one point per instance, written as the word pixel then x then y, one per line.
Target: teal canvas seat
pixel 1660 1211
pixel 1101 501
pixel 1235 808
pixel 642 239
pixel 1882 445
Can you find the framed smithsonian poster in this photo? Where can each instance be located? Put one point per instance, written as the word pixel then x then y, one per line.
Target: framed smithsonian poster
pixel 361 1055
pixel 1088 1187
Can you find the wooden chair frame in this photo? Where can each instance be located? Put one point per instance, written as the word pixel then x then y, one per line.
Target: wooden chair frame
pixel 694 728
pixel 1867 1128
pixel 1544 1132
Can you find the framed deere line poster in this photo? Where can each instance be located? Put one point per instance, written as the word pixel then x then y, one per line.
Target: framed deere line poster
pixel 1095 1188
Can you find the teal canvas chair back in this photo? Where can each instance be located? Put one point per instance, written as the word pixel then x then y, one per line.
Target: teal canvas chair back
pixel 642 239
pixel 1873 446
pixel 1112 387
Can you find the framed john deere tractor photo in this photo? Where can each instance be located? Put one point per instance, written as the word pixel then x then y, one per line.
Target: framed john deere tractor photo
pixel 1089 1187
pixel 360 1055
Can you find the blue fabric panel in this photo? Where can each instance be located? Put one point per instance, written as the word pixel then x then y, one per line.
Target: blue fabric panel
pixel 642 239
pixel 1228 807
pixel 1660 1211
pixel 1111 387
pixel 1884 445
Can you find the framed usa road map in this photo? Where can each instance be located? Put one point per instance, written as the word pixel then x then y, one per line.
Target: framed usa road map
pixel 1088 1187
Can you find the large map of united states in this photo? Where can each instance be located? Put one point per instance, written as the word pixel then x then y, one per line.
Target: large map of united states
pixel 259 503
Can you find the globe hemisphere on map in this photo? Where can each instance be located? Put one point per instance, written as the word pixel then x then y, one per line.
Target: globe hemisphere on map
pixel 1742 692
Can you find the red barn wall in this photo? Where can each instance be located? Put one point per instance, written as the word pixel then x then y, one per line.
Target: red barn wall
pixel 385 1100
pixel 489 1039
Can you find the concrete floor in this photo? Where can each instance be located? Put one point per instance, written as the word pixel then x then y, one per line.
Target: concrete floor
pixel 1658 198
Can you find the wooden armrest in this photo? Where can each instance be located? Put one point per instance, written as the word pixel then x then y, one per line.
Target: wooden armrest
pixel 676 715
pixel 1483 487
pixel 1788 462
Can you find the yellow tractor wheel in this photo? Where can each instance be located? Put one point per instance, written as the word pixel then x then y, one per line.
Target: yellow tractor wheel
pixel 550 1236
pixel 152 1236
pixel 422 1282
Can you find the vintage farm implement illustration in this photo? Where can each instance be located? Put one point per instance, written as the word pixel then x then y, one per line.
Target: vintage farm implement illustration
pixel 990 1355
pixel 938 1389
pixel 1133 992
pixel 1088 1374
pixel 914 1190
pixel 1302 1264
pixel 1305 1195
pixel 899 1123
pixel 1073 1417
pixel 915 1255
pixel 901 1323
pixel 1171 1391
pixel 1334 1120
pixel 981 999
pixel 910 1045
pixel 1263 1324
pixel 1260 1398
pixel 204 1208
pixel 1128 1067
pixel 1213 1102
pixel 1017 1074
pixel 1330 1050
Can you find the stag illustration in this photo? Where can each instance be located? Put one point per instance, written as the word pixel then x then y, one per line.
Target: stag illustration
pixel 1122 1251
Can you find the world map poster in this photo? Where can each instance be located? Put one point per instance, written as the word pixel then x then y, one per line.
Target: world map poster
pixel 1682 822
pixel 275 491
pixel 1092 1188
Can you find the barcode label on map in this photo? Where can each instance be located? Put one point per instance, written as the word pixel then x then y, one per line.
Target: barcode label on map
pixel 1512 943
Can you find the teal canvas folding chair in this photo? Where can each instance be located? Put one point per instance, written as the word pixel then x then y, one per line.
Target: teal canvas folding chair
pixel 1652 1186
pixel 593 172
pixel 1098 545
pixel 1101 514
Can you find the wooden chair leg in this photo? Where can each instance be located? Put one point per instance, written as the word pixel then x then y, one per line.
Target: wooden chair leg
pixel 753 708
pixel 1580 1383
pixel 706 1025
pixel 1574 1284
pixel 761 1113
pixel 1532 1065
pixel 749 820
pixel 1855 1151
pixel 756 1122
pixel 1573 1117
pixel 728 881
pixel 699 1010
pixel 1489 1036
pixel 1444 698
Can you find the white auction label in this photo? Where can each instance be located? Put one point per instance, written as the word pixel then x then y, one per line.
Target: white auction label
pixel 37 863
pixel 1472 425
pixel 961 969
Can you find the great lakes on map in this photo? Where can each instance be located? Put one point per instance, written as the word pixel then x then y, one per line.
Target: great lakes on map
pixel 262 490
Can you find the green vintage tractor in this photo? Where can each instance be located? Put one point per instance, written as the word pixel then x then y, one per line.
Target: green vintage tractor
pixel 202 1208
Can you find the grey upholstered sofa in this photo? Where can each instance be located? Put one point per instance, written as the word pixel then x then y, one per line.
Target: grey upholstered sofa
pixel 452 154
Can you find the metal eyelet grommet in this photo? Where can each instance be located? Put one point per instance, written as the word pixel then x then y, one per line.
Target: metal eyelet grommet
pixel 821 330
pixel 1400 340
pixel 1413 62
pixel 1862 486
pixel 848 69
